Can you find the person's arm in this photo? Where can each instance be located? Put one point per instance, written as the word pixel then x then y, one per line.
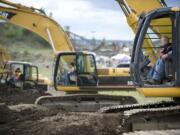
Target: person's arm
pixel 167 55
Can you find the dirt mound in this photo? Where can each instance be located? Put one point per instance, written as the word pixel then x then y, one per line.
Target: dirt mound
pixel 16 96
pixel 20 118
pixel 32 119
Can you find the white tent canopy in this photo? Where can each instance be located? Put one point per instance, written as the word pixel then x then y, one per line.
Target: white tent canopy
pixel 102 61
pixel 120 59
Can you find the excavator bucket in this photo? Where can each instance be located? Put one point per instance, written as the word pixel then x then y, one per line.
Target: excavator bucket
pixel 83 102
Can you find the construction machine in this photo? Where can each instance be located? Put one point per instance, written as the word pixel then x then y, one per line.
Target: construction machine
pixel 23 75
pixel 162 115
pixel 5 70
pixel 19 75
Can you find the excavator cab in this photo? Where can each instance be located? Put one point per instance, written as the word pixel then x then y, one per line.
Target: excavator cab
pixel 74 70
pixel 19 75
pixel 147 59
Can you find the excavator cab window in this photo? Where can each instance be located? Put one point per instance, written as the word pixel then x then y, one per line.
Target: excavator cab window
pixel 87 74
pixel 66 70
pixel 19 75
pixel 15 75
pixel 5 74
pixel 75 69
pixel 31 73
pixel 155 42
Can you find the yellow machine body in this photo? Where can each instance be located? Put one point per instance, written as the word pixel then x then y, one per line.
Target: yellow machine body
pixel 110 72
pixel 160 92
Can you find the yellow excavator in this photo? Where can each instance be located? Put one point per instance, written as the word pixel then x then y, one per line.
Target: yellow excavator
pixel 30 72
pixel 158 115
pixel 30 78
pixel 27 76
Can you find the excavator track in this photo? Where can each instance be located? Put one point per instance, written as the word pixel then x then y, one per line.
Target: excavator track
pixel 155 132
pixel 83 102
pixel 122 108
pixel 153 116
pixel 151 119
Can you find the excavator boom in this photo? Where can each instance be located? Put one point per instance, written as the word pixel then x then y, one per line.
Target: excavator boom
pixel 133 10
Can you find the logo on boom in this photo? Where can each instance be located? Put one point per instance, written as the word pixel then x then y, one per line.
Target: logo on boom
pixel 6 15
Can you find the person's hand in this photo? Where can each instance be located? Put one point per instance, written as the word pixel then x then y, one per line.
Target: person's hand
pixel 164 56
pixel 161 54
pixel 151 65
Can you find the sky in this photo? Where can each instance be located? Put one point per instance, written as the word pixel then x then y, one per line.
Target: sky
pixel 89 18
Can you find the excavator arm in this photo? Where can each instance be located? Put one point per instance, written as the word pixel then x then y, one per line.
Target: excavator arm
pixel 38 22
pixel 133 9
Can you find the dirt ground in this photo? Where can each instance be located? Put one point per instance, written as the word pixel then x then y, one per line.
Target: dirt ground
pixel 19 116
pixel 17 96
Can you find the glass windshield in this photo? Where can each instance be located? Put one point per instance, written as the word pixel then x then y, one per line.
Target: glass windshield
pixel 31 73
pixel 172 3
pixel 86 64
pixel 77 69
pixel 66 74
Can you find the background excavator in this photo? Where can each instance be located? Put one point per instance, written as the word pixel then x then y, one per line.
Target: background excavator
pixel 29 79
pixel 30 74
